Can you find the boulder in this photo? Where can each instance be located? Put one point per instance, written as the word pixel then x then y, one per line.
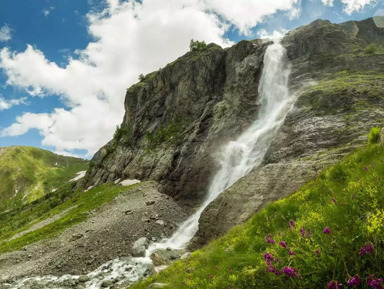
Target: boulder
pixel 139 247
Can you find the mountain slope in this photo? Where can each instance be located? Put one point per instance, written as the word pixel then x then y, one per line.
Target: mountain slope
pixel 28 173
pixel 327 232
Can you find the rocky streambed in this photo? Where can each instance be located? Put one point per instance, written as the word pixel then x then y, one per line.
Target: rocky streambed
pixel 106 251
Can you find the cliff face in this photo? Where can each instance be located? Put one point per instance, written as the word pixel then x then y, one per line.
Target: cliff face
pixel 176 119
pixel 340 97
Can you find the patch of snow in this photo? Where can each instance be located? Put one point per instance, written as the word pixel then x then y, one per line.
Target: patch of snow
pixel 88 189
pixel 79 176
pixel 127 183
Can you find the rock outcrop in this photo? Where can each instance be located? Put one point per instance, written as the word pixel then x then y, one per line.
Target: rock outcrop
pixel 178 117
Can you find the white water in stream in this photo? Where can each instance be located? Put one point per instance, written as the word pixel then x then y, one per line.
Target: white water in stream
pixel 237 159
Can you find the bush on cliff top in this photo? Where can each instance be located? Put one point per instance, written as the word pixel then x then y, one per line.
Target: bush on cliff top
pixel 330 232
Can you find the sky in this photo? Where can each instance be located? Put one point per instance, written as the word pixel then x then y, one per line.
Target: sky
pixel 65 64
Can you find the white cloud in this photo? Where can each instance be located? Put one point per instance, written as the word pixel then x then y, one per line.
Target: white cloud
pixel 356 5
pixel 351 6
pixel 276 34
pixel 130 38
pixel 7 104
pixel 328 2
pixel 245 14
pixel 5 33
pixel 48 11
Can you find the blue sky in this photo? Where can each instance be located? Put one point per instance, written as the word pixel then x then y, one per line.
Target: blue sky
pixel 65 64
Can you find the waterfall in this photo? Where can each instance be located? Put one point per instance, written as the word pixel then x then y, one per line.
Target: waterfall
pixel 239 157
pixel 236 159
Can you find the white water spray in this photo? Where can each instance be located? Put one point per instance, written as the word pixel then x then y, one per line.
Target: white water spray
pixel 239 157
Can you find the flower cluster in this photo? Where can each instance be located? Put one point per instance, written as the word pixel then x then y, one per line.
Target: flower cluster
pixel 327 230
pixel 305 234
pixel 375 283
pixel 354 281
pixel 334 285
pixel 269 239
pixel 367 249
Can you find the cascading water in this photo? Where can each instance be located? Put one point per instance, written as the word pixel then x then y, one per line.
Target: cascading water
pixel 237 159
pixel 240 156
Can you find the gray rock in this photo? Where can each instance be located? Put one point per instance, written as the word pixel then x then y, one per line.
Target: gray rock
pixel 83 278
pixel 382 136
pixel 139 247
pixel 186 255
pixel 165 257
pixel 160 222
pixel 107 283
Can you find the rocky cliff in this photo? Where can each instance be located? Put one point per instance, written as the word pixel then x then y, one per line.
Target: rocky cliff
pixel 178 117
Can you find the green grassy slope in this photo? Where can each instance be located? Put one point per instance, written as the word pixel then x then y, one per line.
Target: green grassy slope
pixel 28 173
pixel 78 204
pixel 348 199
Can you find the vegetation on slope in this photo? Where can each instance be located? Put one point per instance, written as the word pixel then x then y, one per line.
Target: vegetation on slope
pixel 28 173
pixel 328 233
pixel 77 205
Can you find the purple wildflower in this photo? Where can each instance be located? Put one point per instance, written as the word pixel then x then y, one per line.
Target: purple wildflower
pixel 274 270
pixel 269 239
pixel 334 200
pixel 375 283
pixel 302 231
pixel 365 168
pixel 327 230
pixel 367 249
pixel 318 252
pixel 283 244
pixel 309 234
pixel 334 285
pixel 291 252
pixel 217 268
pixel 353 196
pixel 290 272
pixel 268 258
pixel 354 281
pixel 291 225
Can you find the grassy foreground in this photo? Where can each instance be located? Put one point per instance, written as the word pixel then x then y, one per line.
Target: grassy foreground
pixel 327 235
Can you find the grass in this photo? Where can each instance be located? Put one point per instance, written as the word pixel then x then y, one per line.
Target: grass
pixel 346 198
pixel 28 173
pixel 341 87
pixel 81 203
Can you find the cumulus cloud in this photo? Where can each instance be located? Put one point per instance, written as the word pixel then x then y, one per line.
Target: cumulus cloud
pixel 7 104
pixel 351 6
pixel 130 38
pixel 5 33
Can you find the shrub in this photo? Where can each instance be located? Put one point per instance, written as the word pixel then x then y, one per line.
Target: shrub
pixel 141 77
pixel 337 174
pixel 123 135
pixel 373 49
pixel 197 45
pixel 374 135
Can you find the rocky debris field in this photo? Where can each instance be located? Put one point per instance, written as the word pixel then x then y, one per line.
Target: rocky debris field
pixel 108 234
